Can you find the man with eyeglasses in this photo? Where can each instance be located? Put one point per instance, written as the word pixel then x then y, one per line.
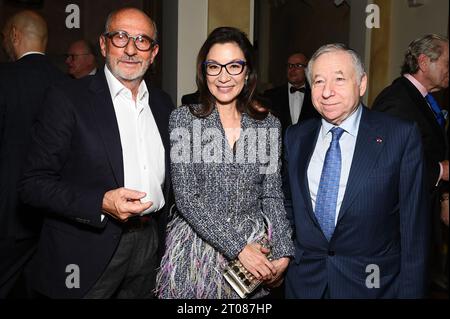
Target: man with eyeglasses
pixel 80 59
pixel 291 102
pixel 98 166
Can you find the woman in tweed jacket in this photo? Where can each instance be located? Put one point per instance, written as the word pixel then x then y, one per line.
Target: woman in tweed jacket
pixel 225 170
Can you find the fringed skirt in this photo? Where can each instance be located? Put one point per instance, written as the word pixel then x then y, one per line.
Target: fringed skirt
pixel 191 268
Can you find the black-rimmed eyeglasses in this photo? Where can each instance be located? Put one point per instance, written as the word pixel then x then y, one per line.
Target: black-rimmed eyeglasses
pixel 295 65
pixel 233 67
pixel 120 39
pixel 73 56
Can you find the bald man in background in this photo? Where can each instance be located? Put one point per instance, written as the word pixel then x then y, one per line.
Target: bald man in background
pixel 23 83
pixel 80 59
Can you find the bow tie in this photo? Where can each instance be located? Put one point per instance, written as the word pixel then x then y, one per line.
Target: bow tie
pixel 294 89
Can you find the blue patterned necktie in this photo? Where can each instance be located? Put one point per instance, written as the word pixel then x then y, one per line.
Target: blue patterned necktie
pixel 329 185
pixel 436 109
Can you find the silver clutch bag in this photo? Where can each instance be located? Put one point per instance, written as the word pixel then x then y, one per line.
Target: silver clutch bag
pixel 242 281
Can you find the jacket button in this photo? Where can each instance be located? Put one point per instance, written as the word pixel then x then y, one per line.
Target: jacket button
pixel 331 253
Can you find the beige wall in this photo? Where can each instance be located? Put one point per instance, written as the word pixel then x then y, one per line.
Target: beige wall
pixel 192 32
pixel 380 51
pixel 400 25
pixel 235 13
pixel 196 18
pixel 411 23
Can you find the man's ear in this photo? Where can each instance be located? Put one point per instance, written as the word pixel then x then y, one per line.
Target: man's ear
pixel 154 52
pixel 363 85
pixel 423 61
pixel 102 43
pixel 14 35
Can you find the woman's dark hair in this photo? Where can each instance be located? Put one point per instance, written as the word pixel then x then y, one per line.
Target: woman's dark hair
pixel 246 102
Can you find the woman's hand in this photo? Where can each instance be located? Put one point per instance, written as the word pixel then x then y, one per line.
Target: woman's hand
pixel 253 258
pixel 280 265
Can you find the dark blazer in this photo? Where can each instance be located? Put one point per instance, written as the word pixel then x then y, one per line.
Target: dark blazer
pixel 403 100
pixel 279 105
pixel 23 85
pixel 75 157
pixel 382 221
pixel 192 98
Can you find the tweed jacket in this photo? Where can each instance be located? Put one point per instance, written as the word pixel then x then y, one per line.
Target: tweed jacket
pixel 227 194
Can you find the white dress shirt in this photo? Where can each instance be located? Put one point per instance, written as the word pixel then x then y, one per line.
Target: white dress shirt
pixel 347 144
pixel 295 104
pixel 142 147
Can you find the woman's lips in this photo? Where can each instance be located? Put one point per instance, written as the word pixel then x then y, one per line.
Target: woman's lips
pixel 225 89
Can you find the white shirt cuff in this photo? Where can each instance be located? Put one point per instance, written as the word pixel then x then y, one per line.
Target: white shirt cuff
pixel 441 171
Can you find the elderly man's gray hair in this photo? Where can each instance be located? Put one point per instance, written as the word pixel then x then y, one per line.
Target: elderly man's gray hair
pixel 334 47
pixel 431 45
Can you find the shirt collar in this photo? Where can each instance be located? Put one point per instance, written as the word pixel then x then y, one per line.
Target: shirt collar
pixel 116 87
pixel 30 52
pixel 350 124
pixel 417 84
pixel 290 85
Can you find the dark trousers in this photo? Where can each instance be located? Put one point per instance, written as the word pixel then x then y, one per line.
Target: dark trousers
pixel 131 273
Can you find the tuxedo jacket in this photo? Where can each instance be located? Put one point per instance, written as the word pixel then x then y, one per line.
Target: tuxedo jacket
pixel 279 104
pixel 382 225
pixel 75 158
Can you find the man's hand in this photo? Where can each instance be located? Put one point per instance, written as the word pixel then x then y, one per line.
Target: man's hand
pixel 444 208
pixel 253 258
pixel 280 265
pixel 123 203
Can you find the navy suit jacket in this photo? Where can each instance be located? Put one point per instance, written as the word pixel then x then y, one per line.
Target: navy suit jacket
pixel 382 221
pixel 76 157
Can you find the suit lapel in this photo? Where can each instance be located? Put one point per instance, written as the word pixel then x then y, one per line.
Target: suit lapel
pixel 306 150
pixel 286 110
pixel 106 120
pixel 159 112
pixel 369 144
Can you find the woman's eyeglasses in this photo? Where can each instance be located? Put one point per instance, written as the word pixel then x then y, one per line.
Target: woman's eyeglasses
pixel 233 67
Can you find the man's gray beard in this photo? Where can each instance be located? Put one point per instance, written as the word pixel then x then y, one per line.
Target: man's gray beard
pixel 118 74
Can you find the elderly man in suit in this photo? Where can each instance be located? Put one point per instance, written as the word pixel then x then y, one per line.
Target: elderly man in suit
pixel 291 102
pixel 23 83
pixel 98 167
pixel 355 192
pixel 424 71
